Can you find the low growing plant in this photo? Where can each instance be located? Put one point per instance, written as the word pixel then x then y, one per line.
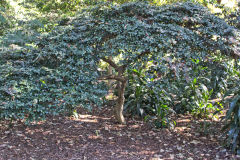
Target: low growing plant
pixel 232 118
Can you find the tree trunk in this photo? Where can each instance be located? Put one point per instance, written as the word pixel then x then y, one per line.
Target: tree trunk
pixel 120 104
pixel 122 82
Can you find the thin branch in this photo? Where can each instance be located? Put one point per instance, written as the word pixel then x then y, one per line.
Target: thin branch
pixel 110 62
pixel 122 68
pixel 118 78
pixel 138 57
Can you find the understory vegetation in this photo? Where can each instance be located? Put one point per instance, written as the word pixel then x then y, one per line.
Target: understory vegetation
pixel 166 60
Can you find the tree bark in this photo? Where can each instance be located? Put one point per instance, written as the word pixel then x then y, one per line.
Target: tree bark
pixel 122 82
pixel 120 102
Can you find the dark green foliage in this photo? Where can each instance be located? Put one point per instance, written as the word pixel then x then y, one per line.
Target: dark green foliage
pixel 194 89
pixel 233 121
pixel 143 96
pixel 182 31
pixel 5 22
pixel 164 41
pixel 55 76
pixel 58 71
pixel 234 18
pixel 232 117
pixel 4 4
pixel 148 99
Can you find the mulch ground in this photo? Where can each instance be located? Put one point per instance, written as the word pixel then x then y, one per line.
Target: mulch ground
pixel 98 136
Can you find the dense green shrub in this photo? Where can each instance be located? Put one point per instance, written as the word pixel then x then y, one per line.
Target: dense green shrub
pixel 74 5
pixel 190 91
pixel 148 99
pixel 5 22
pixel 169 38
pixel 54 77
pixel 232 118
pixel 234 18
pixel 60 71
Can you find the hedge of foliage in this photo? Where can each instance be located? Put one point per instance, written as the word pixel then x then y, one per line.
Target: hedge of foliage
pixel 4 17
pixel 174 57
pixel 38 81
pixel 68 6
pixel 179 32
pixel 232 118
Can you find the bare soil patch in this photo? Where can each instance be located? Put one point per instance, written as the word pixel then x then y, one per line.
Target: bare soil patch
pixel 98 136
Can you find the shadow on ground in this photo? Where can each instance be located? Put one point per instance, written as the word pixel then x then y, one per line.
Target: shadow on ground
pixel 97 136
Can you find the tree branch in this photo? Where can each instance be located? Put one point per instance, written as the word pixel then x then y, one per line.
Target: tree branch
pixel 110 62
pixel 139 56
pixel 118 78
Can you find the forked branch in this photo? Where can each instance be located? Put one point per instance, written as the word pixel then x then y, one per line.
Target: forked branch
pixel 110 62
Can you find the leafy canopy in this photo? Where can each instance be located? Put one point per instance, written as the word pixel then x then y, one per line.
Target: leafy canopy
pixel 60 70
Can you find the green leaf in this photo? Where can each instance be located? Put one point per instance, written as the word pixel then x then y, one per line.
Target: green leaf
pixel 194 81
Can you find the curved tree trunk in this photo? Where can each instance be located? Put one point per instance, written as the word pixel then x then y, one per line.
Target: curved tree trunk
pixel 122 82
pixel 120 103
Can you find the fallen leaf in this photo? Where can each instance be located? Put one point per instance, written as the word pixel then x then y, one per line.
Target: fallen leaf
pixel 195 142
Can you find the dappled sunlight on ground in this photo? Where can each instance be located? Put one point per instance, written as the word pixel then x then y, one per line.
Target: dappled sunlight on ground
pixel 98 136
